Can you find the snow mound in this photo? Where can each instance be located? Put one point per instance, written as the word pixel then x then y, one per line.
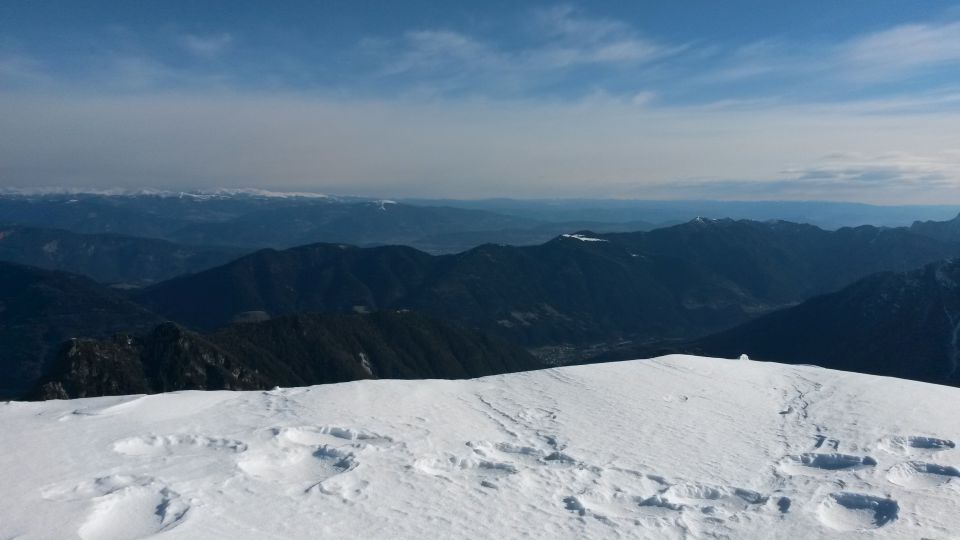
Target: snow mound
pixel 675 447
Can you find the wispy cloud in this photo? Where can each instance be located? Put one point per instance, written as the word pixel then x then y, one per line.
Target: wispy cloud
pixel 895 54
pixel 122 69
pixel 896 169
pixel 208 46
pixel 558 42
pixel 563 103
pixel 764 58
pixel 571 38
pixel 883 178
pixel 22 71
pixel 561 51
pixel 432 50
pixel 903 49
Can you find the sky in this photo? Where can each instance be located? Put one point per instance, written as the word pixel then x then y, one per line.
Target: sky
pixel 815 100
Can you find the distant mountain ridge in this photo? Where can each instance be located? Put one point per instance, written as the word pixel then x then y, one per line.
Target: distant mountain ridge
pixel 250 221
pixel 254 219
pixel 299 350
pixel 108 258
pixel 675 282
pixel 372 222
pixel 948 231
pixel 825 214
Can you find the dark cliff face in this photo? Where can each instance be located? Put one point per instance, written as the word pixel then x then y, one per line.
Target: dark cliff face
pixel 678 282
pixel 167 359
pixel 40 309
pixel 290 351
pixel 903 325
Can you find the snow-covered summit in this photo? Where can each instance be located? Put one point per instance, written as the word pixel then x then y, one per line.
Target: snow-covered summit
pixel 677 447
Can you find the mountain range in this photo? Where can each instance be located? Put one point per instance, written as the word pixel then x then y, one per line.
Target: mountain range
pixel 257 219
pixel 676 282
pixel 254 220
pixel 181 314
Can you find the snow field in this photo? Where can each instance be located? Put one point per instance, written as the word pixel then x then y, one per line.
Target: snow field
pixel 676 447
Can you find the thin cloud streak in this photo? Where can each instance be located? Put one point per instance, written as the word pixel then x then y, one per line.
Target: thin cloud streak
pixel 903 49
pixel 206 46
pixel 560 41
pixel 892 54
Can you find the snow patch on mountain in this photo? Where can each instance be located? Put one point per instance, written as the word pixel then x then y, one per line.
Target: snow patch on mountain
pixel 676 447
pixel 583 238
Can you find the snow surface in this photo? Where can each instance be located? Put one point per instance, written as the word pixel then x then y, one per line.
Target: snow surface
pixel 677 447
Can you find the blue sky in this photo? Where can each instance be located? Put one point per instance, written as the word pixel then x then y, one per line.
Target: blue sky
pixel 854 100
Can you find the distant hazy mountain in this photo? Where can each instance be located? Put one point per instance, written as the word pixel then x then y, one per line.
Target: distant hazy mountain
pixel 137 214
pixel 108 258
pixel 251 221
pixel 948 231
pixel 374 222
pixel 291 351
pixel 829 215
pixel 675 282
pixel 457 241
pixel 898 324
pixel 39 309
pixel 257 219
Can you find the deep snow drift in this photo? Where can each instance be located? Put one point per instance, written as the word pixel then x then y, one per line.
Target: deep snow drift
pixel 669 448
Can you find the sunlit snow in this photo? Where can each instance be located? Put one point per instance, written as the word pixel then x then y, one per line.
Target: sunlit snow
pixel 677 447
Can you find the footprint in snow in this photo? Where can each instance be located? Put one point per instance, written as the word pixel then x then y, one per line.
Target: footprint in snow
pixel 921 475
pixel 125 507
pixel 816 464
pixel 848 511
pixel 166 445
pixel 907 445
pixel 313 458
pixel 330 435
